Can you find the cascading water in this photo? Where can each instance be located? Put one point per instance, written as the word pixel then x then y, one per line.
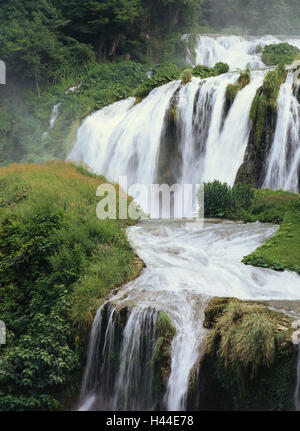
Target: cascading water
pixel 53 117
pixel 284 160
pixel 118 374
pixel 124 140
pixel 185 267
pixel 237 51
pixel 230 142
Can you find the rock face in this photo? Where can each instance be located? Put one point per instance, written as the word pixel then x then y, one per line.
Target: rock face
pixel 129 359
pixel 170 157
pixel 250 359
pixel 253 168
pixel 161 360
pixel 264 117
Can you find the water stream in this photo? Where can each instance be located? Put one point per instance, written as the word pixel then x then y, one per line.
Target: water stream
pixel 186 264
pixel 185 267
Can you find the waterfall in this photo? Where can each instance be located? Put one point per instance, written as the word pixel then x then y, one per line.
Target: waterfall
pixel 185 268
pixel 284 160
pixel 53 118
pixel 125 139
pixel 238 52
pixel 118 373
pixel 226 147
pixel 190 126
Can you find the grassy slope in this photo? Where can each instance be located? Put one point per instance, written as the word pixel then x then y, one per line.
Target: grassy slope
pixel 57 263
pixel 282 251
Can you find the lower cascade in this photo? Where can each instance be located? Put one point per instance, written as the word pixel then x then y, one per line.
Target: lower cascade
pixel 135 362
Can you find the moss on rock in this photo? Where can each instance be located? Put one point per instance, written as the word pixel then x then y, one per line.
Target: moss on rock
pixel 170 154
pixel 161 360
pixel 264 117
pixel 250 359
pixel 233 89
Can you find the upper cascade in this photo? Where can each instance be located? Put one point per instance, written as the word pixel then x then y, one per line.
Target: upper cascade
pixel 239 52
pixel 193 133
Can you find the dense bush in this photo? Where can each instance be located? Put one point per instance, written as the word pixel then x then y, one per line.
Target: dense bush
pixel 220 200
pixel 206 72
pixel 186 76
pixel 161 74
pixel 273 55
pixel 57 263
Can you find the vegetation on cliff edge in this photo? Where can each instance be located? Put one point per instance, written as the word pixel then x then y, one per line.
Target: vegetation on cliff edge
pixel 57 263
pixel 249 344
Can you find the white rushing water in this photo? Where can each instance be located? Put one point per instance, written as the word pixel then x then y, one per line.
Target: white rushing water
pixel 53 118
pixel 284 160
pixel 237 51
pixel 185 267
pixel 125 140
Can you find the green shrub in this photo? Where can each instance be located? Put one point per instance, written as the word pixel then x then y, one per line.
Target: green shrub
pixel 161 74
pixel 221 68
pixel 57 263
pixel 279 53
pixel 186 76
pixel 243 196
pixel 233 89
pixel 220 200
pixel 207 72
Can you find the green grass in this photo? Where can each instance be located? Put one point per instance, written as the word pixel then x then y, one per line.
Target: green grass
pixel 282 251
pixel 58 262
pixel 253 358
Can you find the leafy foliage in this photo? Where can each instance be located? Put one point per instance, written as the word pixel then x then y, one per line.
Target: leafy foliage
pixel 264 105
pixel 233 89
pixel 281 53
pixel 161 74
pixel 57 262
pixel 220 200
pixel 206 72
